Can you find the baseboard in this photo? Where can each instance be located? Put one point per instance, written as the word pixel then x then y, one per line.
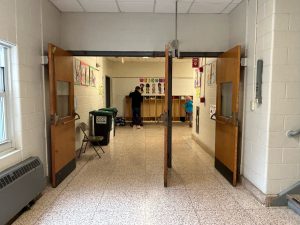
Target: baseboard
pixel 203 146
pixel 258 194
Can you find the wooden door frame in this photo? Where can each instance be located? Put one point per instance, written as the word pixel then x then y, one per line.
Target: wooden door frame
pixel 169 122
pixel 142 54
pixel 107 77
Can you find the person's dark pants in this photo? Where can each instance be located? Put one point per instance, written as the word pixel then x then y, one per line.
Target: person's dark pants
pixel 136 116
pixel 190 118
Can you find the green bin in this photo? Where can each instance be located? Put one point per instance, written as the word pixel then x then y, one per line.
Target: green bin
pixel 115 112
pixel 101 124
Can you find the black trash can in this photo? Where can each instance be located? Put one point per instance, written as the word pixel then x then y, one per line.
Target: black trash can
pixel 115 112
pixel 101 124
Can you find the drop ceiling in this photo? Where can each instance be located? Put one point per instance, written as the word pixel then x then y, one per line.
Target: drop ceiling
pixel 146 6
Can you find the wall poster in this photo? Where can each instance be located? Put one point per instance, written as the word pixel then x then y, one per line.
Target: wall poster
pixel 92 76
pixel 211 73
pixel 85 78
pixel 152 85
pixel 77 72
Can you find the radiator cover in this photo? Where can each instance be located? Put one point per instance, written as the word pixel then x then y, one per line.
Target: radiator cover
pixel 19 185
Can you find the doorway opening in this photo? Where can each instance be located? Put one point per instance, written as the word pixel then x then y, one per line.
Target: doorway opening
pixel 122 74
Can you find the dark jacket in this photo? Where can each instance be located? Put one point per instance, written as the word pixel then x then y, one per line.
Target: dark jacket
pixel 136 99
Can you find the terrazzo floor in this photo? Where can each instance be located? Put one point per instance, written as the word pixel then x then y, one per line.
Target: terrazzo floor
pixel 125 186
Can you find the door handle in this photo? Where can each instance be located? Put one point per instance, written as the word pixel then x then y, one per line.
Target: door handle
pixel 69 121
pixel 78 116
pixel 54 119
pixel 293 133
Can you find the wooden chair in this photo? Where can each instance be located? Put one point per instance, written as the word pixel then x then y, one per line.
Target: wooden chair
pixel 89 139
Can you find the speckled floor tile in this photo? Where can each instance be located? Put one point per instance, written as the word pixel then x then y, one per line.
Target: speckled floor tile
pixel 119 218
pixel 212 200
pixel 169 199
pixel 122 201
pixel 170 217
pixel 125 186
pixel 226 217
pixel 66 218
pixel 274 216
pixel 29 217
pixel 201 182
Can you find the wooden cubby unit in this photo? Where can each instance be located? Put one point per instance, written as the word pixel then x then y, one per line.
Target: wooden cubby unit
pixel 153 107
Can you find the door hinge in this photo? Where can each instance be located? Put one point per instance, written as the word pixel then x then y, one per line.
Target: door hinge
pixel 244 62
pixel 44 60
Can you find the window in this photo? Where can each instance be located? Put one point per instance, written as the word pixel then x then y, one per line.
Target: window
pixel 5 125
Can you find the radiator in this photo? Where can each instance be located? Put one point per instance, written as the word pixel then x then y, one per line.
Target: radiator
pixel 19 185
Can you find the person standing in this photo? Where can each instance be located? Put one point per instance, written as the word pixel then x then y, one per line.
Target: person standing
pixel 136 101
pixel 189 109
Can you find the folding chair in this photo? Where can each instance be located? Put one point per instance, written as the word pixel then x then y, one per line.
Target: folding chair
pixel 89 139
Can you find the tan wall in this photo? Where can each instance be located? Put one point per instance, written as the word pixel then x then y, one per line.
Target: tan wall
pixel 150 69
pixel 125 78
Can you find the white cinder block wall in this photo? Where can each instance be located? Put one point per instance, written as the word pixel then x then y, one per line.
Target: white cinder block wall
pixel 21 25
pixel 270 160
pixel 256 127
pixel 284 153
pixel 243 29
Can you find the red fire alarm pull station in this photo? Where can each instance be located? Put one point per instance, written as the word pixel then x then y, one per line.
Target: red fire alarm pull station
pixel 195 62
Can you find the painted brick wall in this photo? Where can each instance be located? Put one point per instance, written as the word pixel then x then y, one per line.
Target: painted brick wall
pixel 284 152
pixel 256 127
pixel 21 25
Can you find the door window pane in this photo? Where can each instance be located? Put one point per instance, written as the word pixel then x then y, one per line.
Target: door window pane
pixel 62 98
pixel 226 99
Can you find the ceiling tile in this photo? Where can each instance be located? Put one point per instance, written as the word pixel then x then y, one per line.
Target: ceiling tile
pixel 99 5
pixel 67 5
pixel 203 7
pixel 168 6
pixel 136 6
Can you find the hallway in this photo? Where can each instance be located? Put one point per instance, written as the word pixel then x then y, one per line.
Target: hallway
pixel 125 186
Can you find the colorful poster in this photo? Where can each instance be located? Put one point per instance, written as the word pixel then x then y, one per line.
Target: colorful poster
pixel 152 86
pixel 77 72
pixel 85 79
pixel 197 93
pixel 208 74
pixel 92 76
pixel 214 72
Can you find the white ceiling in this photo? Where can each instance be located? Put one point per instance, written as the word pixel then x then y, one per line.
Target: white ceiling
pixel 149 6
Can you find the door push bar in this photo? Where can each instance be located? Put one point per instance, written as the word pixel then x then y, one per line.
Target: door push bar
pixel 293 133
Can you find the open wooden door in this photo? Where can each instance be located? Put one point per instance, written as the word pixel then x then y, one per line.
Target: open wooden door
pixel 228 80
pixel 62 114
pixel 168 116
